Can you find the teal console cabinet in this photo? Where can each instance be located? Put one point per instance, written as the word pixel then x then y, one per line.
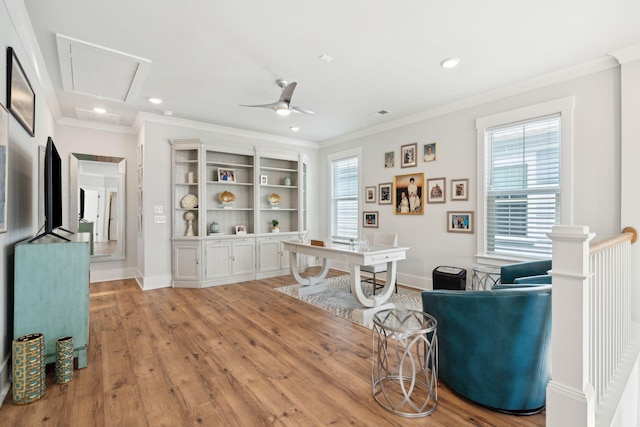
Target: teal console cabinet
pixel 51 292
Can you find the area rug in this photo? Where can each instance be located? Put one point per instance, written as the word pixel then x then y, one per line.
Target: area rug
pixel 337 299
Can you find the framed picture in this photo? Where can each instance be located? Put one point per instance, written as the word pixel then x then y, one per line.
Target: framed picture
pixel 384 193
pixel 429 152
pixel 370 219
pixel 264 179
pixel 390 159
pixel 21 99
pixel 460 222
pixel 436 190
pixel 460 189
pixel 409 153
pixel 408 194
pixel 241 229
pixel 370 194
pixel 228 175
pixel 4 150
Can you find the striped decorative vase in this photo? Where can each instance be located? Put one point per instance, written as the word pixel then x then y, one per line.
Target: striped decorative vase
pixel 64 360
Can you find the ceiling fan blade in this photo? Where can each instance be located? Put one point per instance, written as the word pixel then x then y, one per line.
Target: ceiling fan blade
pixel 301 110
pixel 271 106
pixel 287 92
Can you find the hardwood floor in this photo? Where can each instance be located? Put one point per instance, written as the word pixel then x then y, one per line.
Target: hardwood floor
pixel 236 355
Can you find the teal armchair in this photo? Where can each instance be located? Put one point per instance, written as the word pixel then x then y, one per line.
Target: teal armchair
pixel 528 272
pixel 494 346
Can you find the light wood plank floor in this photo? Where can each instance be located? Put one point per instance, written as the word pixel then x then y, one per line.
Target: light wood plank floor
pixel 236 355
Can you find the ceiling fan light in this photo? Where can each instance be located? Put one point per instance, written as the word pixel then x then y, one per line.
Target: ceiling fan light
pixel 282 110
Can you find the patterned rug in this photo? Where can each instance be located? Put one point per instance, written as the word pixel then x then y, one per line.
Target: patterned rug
pixel 337 299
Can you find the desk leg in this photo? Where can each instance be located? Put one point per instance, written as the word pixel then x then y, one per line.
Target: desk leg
pixel 373 303
pixel 310 285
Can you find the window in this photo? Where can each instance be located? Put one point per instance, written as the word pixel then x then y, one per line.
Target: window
pixel 344 198
pixel 523 179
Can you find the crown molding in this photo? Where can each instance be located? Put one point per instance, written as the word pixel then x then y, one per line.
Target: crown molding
pixel 145 117
pixel 629 54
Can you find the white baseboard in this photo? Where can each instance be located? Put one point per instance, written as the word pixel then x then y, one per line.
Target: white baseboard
pixel 114 274
pixel 156 282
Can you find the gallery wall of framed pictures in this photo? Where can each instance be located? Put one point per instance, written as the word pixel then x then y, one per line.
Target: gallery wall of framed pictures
pixel 410 193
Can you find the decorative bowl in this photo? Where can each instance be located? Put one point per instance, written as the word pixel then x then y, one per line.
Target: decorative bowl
pixel 227 197
pixel 274 199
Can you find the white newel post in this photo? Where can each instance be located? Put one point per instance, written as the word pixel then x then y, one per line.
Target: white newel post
pixel 570 396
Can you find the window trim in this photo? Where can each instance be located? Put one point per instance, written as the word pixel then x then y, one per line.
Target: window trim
pixel 354 152
pixel 562 106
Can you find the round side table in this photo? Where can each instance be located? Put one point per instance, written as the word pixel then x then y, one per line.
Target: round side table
pixel 485 277
pixel 405 358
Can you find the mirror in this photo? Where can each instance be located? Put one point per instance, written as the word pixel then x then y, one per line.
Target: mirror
pixel 97 203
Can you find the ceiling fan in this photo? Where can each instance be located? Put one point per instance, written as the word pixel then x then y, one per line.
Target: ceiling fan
pixel 283 105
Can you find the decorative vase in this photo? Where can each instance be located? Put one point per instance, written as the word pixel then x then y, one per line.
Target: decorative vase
pixel 64 360
pixel 214 227
pixel 28 363
pixel 275 229
pixel 287 181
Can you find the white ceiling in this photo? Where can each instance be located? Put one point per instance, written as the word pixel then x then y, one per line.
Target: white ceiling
pixel 209 56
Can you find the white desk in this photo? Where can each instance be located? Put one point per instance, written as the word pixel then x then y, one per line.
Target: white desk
pixel 355 258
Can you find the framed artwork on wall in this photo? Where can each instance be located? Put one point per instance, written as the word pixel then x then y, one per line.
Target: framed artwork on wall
pixel 4 145
pixel 389 159
pixel 429 154
pixel 264 179
pixel 370 219
pixel 460 221
pixel 370 194
pixel 21 99
pixel 408 194
pixel 409 155
pixel 460 189
pixel 384 193
pixel 436 190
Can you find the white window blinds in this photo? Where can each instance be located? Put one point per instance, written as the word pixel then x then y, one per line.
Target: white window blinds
pixel 522 186
pixel 344 199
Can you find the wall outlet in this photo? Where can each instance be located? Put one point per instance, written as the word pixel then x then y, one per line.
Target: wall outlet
pixel 159 219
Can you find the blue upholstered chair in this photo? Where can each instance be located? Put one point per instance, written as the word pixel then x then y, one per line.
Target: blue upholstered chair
pixel 528 272
pixel 494 346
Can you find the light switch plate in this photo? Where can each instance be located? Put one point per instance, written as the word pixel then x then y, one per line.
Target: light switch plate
pixel 158 209
pixel 159 219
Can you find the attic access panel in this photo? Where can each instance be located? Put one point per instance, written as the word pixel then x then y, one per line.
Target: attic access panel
pixel 99 71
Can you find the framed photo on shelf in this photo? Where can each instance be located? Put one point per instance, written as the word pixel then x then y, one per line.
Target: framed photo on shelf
pixel 241 229
pixel 228 175
pixel 370 219
pixel 4 149
pixel 389 159
pixel 436 190
pixel 264 179
pixel 21 99
pixel 409 154
pixel 429 152
pixel 370 194
pixel 460 189
pixel 408 194
pixel 384 193
pixel 460 221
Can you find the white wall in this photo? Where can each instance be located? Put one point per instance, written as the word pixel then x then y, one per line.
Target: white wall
pixel 73 139
pixel 156 263
pixel 22 184
pixel 596 192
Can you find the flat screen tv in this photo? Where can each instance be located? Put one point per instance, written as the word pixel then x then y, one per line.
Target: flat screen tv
pixel 52 192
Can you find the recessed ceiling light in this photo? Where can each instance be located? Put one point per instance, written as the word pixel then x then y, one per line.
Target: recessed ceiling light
pixel 155 100
pixel 450 62
pixel 294 128
pixel 167 113
pixel 99 110
pixel 325 58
